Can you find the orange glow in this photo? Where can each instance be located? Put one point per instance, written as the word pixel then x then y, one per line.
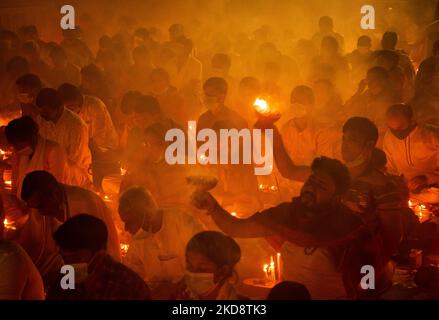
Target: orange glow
pixel 261 106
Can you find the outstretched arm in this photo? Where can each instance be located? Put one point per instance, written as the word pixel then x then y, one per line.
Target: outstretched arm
pixel 239 228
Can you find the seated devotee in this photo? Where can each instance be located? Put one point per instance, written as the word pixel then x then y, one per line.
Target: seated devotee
pixel 62 70
pixel 326 28
pixel 32 52
pixel 373 97
pixel 330 64
pixel 157 248
pixel 305 139
pixel 249 89
pixel 77 50
pixel 59 124
pixel 146 112
pixel 47 203
pixel 399 82
pixel 288 290
pixel 328 108
pixel 389 41
pixel 93 83
pixel 19 278
pixel 215 91
pixel 32 152
pixel 82 242
pixel 27 87
pixel 138 72
pixel 313 227
pixel 127 105
pixel 15 68
pixel 171 101
pixel 167 183
pixel 103 138
pixel 412 150
pixel 361 58
pixel 210 274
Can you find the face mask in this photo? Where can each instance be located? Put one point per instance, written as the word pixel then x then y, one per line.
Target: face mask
pixel 200 283
pixel 24 98
pixel 81 271
pixel 26 151
pixel 356 162
pixel 298 110
pixel 401 134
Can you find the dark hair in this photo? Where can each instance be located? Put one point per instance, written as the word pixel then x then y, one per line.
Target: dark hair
pixel 379 159
pixel 83 231
pixel 17 65
pixel 303 94
pixel 218 83
pixel 364 41
pixel 134 195
pixel 401 109
pixel 129 99
pixel 29 81
pixel 336 170
pixel 250 82
pixel 161 73
pixel 21 129
pixel 39 181
pixel 147 104
pixel 325 20
pixel 389 40
pixel 58 51
pixel 70 92
pixel 379 71
pixel 49 98
pixel 363 127
pixel 221 61
pixel 217 247
pixel 93 72
pixel 289 290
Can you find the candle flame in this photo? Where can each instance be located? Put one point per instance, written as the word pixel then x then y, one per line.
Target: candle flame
pixel 233 213
pixel 261 105
pixel 8 225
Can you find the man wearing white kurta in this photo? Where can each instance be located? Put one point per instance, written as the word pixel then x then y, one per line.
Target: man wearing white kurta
pixel 61 125
pixel 412 150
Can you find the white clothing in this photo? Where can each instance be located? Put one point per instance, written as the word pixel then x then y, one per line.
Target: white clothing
pixel 161 256
pixel 71 133
pixel 100 126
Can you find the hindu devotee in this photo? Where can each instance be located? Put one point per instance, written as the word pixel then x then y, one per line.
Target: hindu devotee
pixel 315 153
pixel 157 249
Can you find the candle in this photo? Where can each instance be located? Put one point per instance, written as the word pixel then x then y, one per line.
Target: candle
pixel 272 269
pixel 265 268
pixel 123 171
pixel 124 248
pixel 233 213
pixel 279 275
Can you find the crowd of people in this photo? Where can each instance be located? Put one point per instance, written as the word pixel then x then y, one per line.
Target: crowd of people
pixel 357 139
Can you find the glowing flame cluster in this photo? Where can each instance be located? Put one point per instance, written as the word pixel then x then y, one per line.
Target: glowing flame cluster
pixel 261 106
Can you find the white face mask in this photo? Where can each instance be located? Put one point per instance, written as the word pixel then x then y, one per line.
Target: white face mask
pixel 200 284
pixel 26 151
pixel 81 271
pixel 298 110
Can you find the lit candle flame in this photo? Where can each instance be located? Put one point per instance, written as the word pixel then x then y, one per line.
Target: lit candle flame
pixel 233 213
pixel 261 106
pixel 8 225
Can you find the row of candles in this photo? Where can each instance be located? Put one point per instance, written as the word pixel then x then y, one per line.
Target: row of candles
pixel 272 270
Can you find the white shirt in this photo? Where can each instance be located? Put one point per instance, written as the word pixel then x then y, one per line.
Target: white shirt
pixel 417 154
pixel 19 278
pixel 71 133
pixel 100 126
pixel 304 146
pixel 161 256
pixel 47 156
